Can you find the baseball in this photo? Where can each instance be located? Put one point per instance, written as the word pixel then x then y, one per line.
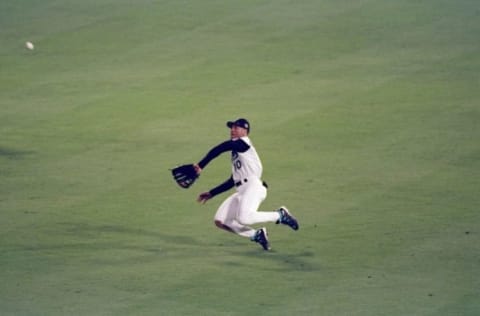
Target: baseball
pixel 29 45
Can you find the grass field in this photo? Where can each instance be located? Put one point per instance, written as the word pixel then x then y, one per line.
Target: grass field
pixel 366 115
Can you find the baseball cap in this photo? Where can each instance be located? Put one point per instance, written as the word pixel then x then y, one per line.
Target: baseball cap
pixel 241 122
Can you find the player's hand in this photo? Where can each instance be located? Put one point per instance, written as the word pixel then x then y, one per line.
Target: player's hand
pixel 197 169
pixel 204 197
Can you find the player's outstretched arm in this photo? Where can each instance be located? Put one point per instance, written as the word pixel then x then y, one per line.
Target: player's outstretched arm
pixel 229 145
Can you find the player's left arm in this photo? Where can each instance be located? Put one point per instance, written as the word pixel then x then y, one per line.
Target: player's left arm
pixel 230 145
pixel 225 186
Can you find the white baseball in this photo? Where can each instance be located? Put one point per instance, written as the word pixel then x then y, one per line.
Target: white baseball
pixel 29 45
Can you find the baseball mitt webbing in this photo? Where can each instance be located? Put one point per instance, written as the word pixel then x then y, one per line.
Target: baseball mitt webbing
pixel 185 175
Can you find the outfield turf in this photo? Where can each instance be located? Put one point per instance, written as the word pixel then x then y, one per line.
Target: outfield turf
pixel 366 115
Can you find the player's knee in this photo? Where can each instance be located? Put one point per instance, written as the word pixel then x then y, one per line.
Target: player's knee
pixel 245 219
pixel 219 224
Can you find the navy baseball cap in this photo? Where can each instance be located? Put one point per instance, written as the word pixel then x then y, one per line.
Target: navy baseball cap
pixel 241 122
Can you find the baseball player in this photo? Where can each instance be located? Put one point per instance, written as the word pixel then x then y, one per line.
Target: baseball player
pixel 239 210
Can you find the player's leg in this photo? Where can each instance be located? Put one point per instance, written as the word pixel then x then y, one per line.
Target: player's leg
pixel 249 202
pixel 225 218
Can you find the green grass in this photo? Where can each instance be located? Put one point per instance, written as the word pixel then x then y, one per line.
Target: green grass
pixel 365 113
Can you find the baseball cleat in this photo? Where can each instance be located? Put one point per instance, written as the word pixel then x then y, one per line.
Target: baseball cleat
pixel 286 218
pixel 261 237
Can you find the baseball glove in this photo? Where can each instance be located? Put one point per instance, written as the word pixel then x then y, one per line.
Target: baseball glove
pixel 185 175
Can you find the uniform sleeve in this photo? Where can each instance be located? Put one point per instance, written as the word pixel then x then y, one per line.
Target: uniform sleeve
pixel 230 145
pixel 227 185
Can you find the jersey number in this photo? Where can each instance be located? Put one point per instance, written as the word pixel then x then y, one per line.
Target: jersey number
pixel 237 164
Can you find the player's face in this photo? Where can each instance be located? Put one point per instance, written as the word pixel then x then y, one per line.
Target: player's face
pixel 237 132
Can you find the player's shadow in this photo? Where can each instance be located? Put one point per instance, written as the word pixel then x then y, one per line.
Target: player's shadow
pixel 150 245
pixel 303 261
pixel 98 237
pixel 90 229
pixel 14 153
